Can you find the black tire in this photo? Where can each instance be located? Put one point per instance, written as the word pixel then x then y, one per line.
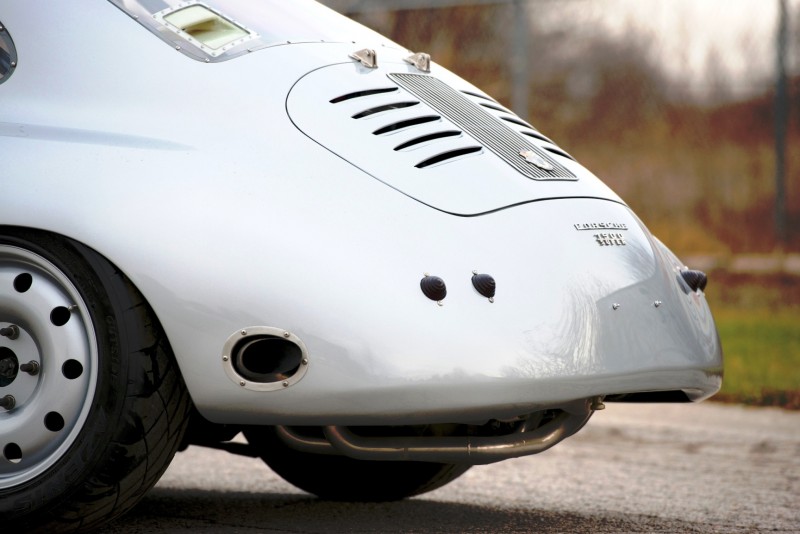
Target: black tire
pixel 339 478
pixel 119 401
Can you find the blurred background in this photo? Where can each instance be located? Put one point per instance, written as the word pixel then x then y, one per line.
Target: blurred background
pixel 688 109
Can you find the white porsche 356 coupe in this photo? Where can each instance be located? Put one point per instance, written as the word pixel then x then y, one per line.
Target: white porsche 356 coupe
pixel 227 216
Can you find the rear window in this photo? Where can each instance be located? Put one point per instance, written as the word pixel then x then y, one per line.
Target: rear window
pixel 216 30
pixel 8 54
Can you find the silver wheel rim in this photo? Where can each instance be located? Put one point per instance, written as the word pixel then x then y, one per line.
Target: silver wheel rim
pixel 54 331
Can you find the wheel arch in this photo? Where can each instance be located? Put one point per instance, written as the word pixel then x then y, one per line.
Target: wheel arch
pixel 99 417
pixel 81 244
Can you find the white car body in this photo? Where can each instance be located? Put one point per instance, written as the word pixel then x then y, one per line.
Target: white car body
pixel 240 200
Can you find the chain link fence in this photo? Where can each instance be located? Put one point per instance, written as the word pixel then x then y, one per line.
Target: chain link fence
pixel 673 104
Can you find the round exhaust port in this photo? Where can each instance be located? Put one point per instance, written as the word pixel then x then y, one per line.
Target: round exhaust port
pixel 264 358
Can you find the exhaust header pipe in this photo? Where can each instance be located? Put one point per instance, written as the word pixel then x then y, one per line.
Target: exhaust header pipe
pixel 264 358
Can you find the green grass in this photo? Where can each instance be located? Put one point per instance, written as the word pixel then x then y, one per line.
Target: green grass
pixel 761 350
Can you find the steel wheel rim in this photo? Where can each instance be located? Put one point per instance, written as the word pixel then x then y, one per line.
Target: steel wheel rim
pixel 56 331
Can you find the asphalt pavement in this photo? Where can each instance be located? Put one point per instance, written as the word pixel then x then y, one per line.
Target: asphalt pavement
pixel 634 468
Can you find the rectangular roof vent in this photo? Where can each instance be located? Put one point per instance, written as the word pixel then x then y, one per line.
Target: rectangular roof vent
pixel 204 27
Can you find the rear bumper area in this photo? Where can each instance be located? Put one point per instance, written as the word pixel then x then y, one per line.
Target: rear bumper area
pixel 579 313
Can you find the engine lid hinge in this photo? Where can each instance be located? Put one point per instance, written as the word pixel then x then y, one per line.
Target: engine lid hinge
pixel 420 60
pixel 367 57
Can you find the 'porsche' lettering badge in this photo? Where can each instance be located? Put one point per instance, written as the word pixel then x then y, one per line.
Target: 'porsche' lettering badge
pixel 606 239
pixel 601 226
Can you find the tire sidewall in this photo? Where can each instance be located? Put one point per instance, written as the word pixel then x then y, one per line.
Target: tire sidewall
pixel 339 478
pixel 91 447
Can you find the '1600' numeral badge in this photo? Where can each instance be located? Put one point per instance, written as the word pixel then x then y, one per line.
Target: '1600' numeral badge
pixel 610 240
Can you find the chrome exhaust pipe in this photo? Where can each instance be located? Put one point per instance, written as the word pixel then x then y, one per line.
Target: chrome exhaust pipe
pixel 534 436
pixel 264 358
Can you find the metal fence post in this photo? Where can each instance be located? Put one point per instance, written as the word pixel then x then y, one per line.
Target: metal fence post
pixel 520 71
pixel 781 120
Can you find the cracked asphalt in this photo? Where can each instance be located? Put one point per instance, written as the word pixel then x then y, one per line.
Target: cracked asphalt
pixel 633 468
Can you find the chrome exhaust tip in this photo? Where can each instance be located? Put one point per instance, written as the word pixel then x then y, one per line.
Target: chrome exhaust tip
pixel 264 358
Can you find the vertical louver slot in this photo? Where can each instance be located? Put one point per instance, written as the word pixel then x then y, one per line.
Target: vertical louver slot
pixel 386 107
pixel 406 124
pixel 360 94
pixel 425 138
pixel 476 95
pixel 558 151
pixel 518 122
pixel 536 135
pixel 494 107
pixel 446 156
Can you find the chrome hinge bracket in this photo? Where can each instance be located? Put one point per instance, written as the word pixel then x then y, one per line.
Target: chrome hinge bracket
pixel 366 57
pixel 421 60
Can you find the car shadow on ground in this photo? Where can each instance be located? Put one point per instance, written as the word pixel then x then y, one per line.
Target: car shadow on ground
pixel 178 511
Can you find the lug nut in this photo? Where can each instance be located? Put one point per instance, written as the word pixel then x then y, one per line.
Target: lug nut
pixel 11 332
pixel 8 402
pixel 32 368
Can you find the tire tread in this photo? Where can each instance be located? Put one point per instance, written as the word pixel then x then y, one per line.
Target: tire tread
pixel 151 408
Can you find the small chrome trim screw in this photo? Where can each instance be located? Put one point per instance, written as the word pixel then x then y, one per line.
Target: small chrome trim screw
pixel 615 306
pixel 657 303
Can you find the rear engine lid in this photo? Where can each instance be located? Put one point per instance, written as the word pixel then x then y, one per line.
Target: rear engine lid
pixel 440 142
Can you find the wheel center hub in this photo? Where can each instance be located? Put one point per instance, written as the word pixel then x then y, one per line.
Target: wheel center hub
pixel 9 366
pixel 20 368
pixel 48 365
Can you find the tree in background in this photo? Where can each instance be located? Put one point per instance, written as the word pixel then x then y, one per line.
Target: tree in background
pixel 700 170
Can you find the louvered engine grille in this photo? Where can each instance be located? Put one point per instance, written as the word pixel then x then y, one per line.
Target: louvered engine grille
pixel 489 131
